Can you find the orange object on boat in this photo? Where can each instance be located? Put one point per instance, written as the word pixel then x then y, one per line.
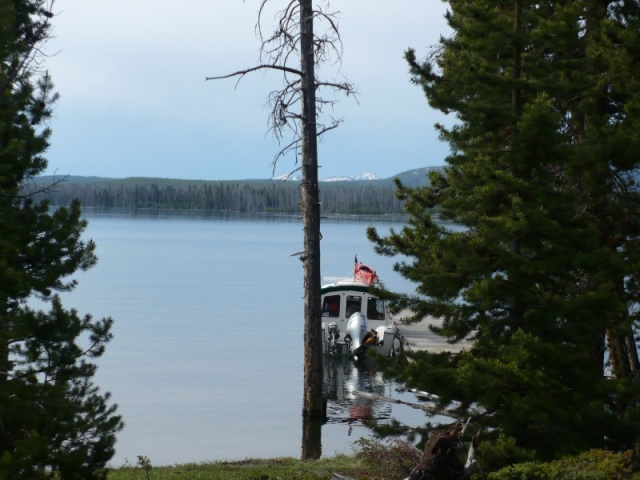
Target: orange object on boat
pixel 363 272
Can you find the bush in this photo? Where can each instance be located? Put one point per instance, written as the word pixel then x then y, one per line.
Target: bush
pixel 591 465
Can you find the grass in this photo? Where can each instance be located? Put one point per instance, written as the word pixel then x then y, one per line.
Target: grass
pixel 249 469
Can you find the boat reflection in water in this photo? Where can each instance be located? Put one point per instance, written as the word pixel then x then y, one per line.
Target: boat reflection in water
pixel 347 413
pixel 344 410
pixel 343 376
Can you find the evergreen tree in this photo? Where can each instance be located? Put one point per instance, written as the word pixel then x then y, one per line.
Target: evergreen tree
pixel 541 180
pixel 53 420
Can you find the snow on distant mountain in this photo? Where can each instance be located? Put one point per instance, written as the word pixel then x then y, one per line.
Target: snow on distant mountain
pixel 296 176
pixel 357 178
pixel 416 177
pixel 361 177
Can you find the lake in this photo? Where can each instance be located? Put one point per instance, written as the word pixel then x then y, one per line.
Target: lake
pixel 206 361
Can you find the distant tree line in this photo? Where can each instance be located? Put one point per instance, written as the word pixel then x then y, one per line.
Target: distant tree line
pixel 230 196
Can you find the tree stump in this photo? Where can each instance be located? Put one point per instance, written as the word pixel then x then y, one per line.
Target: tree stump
pixel 439 459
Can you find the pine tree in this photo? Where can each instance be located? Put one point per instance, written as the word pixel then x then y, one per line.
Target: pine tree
pixel 541 180
pixel 53 419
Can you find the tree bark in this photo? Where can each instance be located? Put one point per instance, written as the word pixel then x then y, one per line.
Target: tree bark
pixel 312 401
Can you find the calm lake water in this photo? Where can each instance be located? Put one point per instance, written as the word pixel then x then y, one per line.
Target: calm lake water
pixel 206 363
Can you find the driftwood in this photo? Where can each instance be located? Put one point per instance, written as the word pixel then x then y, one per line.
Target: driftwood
pixel 433 409
pixel 472 463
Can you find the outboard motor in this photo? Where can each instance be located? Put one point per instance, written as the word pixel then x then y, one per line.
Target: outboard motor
pixel 334 336
pixel 356 331
pixel 334 332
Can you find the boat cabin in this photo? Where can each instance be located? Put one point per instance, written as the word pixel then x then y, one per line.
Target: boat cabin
pixel 340 301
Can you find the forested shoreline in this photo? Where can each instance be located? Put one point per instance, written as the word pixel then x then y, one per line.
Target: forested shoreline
pixel 249 196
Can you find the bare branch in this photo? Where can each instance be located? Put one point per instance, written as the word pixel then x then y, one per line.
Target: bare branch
pixel 335 124
pixel 30 188
pixel 348 88
pixel 293 146
pixel 279 50
pixel 285 178
pixel 242 73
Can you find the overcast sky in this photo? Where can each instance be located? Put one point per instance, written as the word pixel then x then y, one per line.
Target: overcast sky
pixel 134 100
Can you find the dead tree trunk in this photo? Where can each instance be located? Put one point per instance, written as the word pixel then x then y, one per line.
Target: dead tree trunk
pixel 312 402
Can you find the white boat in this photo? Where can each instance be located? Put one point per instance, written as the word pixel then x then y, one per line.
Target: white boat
pixel 353 320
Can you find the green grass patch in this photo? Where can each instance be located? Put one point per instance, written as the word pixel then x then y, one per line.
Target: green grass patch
pixel 249 469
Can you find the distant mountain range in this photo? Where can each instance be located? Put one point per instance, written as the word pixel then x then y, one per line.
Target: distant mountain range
pixel 411 178
pixel 417 177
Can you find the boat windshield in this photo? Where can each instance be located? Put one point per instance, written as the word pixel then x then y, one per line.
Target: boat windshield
pixel 354 304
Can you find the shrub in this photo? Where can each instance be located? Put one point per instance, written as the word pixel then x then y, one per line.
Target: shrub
pixel 389 461
pixel 591 465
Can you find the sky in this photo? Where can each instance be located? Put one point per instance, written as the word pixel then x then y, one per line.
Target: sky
pixel 134 100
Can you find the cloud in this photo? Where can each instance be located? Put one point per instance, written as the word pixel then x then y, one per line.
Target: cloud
pixel 122 66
